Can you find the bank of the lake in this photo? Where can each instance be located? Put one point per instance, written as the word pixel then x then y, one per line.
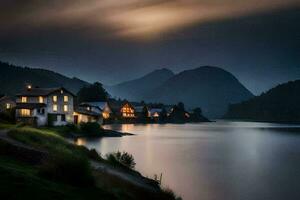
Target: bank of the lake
pixel 42 163
pixel 212 161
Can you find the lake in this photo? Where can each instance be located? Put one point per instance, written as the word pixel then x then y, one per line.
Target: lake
pixel 214 161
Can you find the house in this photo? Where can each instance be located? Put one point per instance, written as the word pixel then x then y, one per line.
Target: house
pixel 84 114
pixel 45 106
pixel 155 112
pixel 7 103
pixel 127 110
pixel 100 106
pixel 140 111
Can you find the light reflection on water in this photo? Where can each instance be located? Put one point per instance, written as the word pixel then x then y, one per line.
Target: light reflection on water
pixel 214 161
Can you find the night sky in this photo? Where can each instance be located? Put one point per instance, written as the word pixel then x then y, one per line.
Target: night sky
pixel 112 41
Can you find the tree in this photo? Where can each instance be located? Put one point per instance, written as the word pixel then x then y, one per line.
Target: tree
pixel 145 112
pixel 198 111
pixel 94 92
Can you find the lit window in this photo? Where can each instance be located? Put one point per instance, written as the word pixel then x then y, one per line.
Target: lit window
pixel 55 108
pixel 61 91
pixel 25 112
pixel 105 115
pixel 54 98
pixel 8 106
pixel 66 98
pixel 66 108
pixel 23 99
pixel 41 99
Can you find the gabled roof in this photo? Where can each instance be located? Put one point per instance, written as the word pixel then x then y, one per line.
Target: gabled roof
pixel 42 91
pixel 84 111
pixel 6 98
pixel 155 110
pixel 100 104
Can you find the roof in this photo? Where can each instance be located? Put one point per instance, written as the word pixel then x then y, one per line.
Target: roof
pixel 86 112
pixel 30 105
pixel 100 104
pixel 7 98
pixel 42 91
pixel 154 110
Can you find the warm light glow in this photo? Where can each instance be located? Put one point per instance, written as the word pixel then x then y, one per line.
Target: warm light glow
pixel 54 98
pixel 41 99
pixel 24 99
pixel 127 111
pixel 25 112
pixel 155 114
pixel 66 98
pixel 105 115
pixel 8 106
pixel 136 18
pixel 55 108
pixel 66 108
pixel 29 87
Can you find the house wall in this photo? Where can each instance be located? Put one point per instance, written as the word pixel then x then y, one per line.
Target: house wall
pixel 60 107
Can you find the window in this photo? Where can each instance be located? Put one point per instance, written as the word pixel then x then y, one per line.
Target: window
pixel 41 99
pixel 66 98
pixel 66 108
pixel 55 108
pixel 8 106
pixel 54 98
pixel 25 112
pixel 23 99
pixel 63 118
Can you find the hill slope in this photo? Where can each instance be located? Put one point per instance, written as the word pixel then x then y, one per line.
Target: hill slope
pixel 13 79
pixel 135 90
pixel 280 104
pixel 210 88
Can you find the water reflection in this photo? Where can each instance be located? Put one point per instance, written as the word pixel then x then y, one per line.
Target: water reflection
pixel 223 160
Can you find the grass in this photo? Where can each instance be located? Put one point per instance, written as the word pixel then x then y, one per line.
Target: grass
pixel 6 126
pixel 66 174
pixel 21 181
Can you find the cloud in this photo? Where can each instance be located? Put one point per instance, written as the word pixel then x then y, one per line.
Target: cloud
pixel 126 18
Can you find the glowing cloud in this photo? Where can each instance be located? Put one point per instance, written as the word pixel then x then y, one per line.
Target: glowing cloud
pixel 128 18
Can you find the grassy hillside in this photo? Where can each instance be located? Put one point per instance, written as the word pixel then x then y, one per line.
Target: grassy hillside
pixel 13 79
pixel 280 104
pixel 64 171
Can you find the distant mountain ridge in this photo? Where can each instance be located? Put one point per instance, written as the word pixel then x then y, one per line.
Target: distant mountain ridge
pixel 13 79
pixel 136 89
pixel 279 104
pixel 210 88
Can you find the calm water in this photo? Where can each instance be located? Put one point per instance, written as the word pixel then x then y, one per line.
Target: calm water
pixel 215 161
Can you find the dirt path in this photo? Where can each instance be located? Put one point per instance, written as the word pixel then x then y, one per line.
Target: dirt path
pixel 134 179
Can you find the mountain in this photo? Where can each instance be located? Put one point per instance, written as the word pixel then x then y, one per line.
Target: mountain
pixel 135 90
pixel 210 88
pixel 13 79
pixel 280 104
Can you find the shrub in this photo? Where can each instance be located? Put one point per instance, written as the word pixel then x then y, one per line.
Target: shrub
pixel 91 128
pixel 68 168
pixel 123 158
pixel 8 116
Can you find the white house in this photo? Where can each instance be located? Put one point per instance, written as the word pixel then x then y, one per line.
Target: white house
pixel 45 106
pixel 98 107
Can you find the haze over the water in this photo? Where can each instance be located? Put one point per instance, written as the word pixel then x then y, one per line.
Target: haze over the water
pixel 113 41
